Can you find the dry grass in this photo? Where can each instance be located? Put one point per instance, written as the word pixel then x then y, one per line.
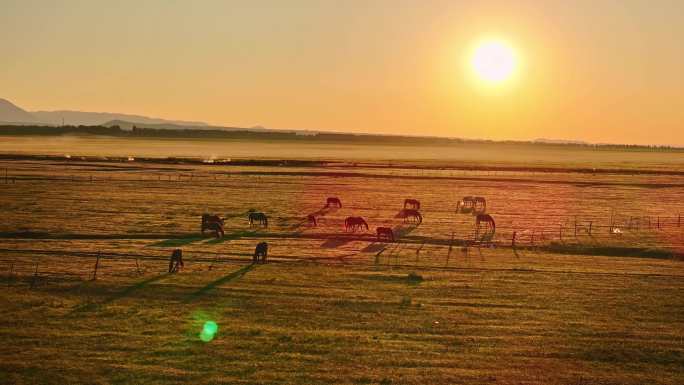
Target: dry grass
pixel 331 308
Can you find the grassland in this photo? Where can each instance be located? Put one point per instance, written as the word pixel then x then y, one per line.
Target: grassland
pixel 560 308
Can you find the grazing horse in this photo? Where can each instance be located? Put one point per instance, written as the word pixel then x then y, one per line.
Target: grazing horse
pixel 479 205
pixel 465 205
pixel 333 201
pixel 312 220
pixel 176 261
pixel 258 217
pixel 214 223
pixel 353 223
pixel 260 252
pixel 411 215
pixel 489 224
pixel 412 204
pixel 386 233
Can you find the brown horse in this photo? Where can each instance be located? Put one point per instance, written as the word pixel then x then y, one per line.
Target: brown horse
pixel 490 226
pixel 354 223
pixel 260 253
pixel 333 201
pixel 214 223
pixel 411 215
pixel 386 233
pixel 412 204
pixel 258 217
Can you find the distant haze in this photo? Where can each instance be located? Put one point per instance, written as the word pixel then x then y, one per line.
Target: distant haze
pixel 594 71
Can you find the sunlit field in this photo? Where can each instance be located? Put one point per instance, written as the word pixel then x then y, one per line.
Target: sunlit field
pixel 588 292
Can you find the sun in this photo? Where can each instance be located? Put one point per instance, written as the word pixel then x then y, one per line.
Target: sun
pixel 494 61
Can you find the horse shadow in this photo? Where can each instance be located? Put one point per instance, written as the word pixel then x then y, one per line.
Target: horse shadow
pixel 338 240
pixel 403 230
pixel 335 242
pixel 122 294
pixel 324 210
pixel 225 279
pixel 374 247
pixel 176 242
pixel 231 237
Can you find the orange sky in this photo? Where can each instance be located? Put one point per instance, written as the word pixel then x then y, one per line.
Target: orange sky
pixel 600 71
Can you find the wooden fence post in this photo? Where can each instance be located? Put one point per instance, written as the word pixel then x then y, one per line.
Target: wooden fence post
pixel 35 276
pixel 451 245
pixel 590 223
pixel 11 274
pixel 513 238
pixel 97 264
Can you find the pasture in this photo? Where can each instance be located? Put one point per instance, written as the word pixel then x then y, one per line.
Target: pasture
pixel 84 250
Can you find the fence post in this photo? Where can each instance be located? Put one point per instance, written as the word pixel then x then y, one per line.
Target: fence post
pixel 11 274
pixel 35 276
pixel 513 238
pixel 451 245
pixel 590 223
pixel 97 264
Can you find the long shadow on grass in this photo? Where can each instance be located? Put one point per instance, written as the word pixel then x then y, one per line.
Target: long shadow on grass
pixel 232 236
pixel 177 242
pixel 124 293
pixel 225 279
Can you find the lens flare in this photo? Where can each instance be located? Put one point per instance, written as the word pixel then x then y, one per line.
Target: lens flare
pixel 209 329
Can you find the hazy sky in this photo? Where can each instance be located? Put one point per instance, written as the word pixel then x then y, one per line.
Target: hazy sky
pixel 602 71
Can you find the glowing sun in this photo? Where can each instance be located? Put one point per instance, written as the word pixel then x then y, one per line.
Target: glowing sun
pixel 494 61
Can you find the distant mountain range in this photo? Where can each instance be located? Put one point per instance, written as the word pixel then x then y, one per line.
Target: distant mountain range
pixel 12 114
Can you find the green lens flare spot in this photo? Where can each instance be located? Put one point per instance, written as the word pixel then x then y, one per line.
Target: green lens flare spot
pixel 210 327
pixel 206 337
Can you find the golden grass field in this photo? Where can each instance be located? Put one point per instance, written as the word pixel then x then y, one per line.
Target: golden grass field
pixel 560 308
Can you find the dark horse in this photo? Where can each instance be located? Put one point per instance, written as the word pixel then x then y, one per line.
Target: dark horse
pixel 412 204
pixel 176 261
pixel 354 223
pixel 386 233
pixel 258 218
pixel 212 222
pixel 260 252
pixel 333 201
pixel 411 215
pixel 490 227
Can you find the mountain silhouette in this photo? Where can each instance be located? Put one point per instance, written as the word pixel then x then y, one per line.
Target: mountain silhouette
pixel 10 113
